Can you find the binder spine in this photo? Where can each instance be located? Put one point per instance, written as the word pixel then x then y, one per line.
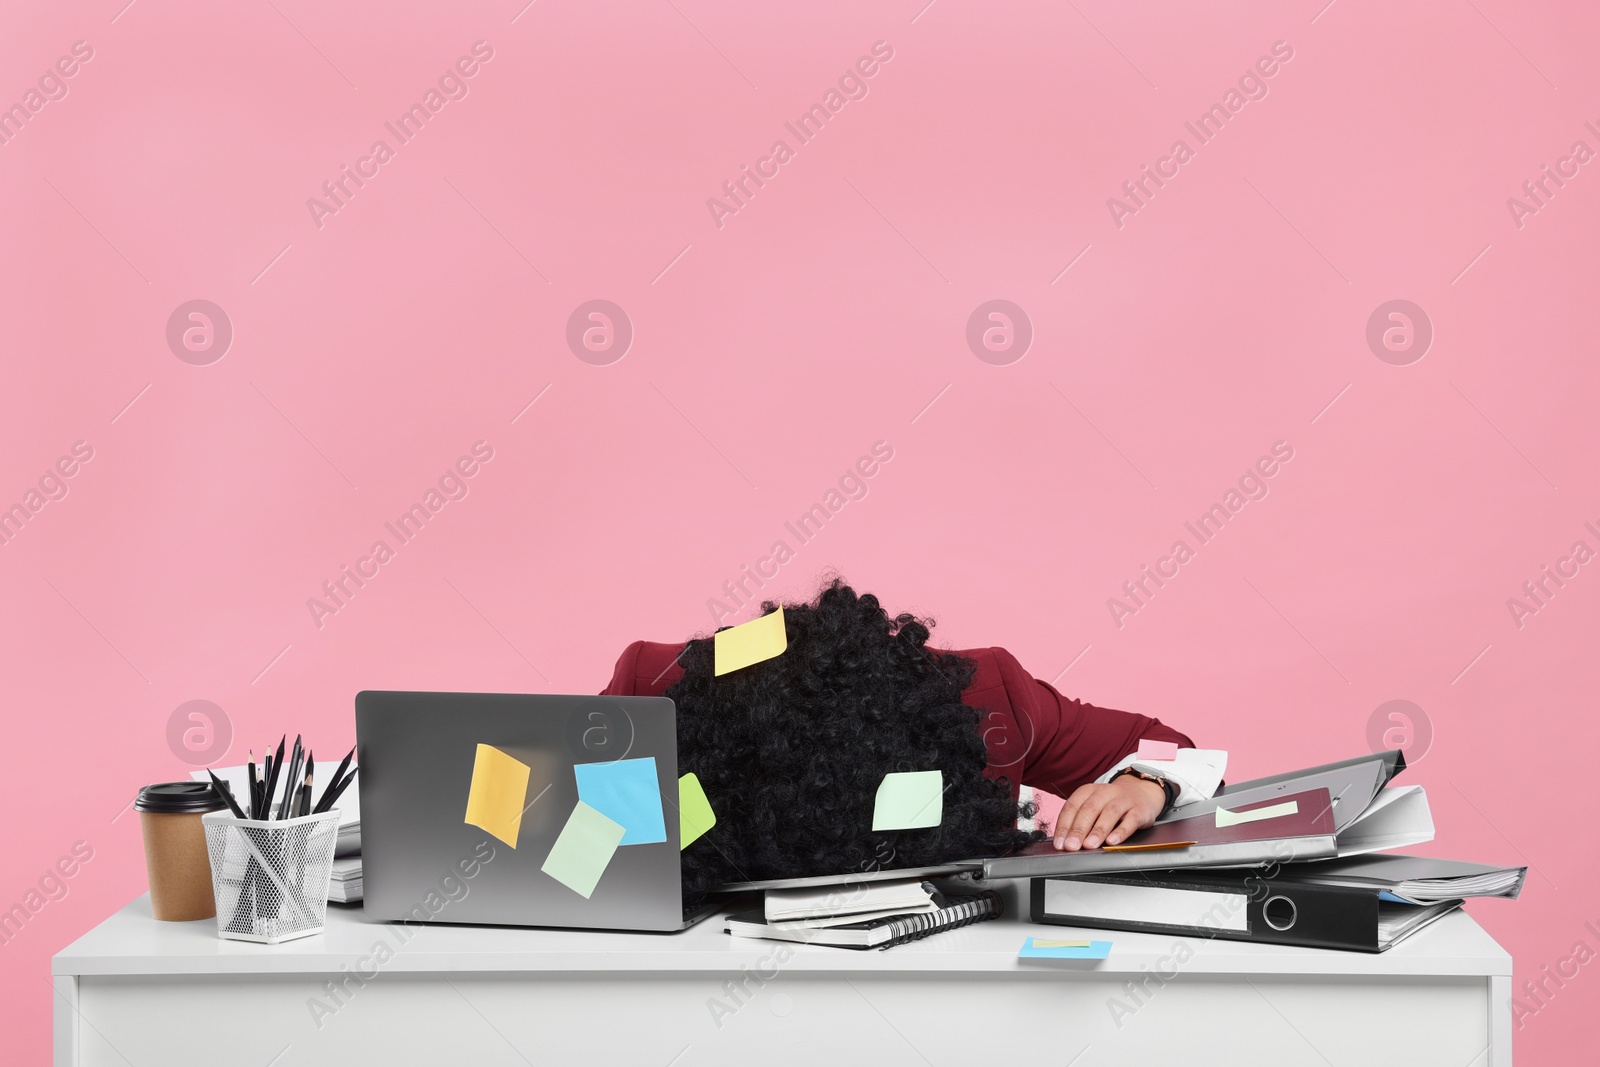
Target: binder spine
pixel 987 905
pixel 1314 916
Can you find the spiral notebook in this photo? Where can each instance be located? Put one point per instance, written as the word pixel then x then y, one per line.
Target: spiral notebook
pixel 953 911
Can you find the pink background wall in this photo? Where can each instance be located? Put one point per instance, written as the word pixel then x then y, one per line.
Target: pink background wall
pixel 830 312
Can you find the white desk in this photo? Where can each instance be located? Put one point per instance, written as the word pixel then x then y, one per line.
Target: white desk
pixel 137 991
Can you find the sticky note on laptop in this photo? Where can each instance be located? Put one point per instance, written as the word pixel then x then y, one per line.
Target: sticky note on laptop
pixel 583 850
pixel 695 816
pixel 627 792
pixel 1156 750
pixel 1273 811
pixel 750 642
pixel 909 800
pixel 498 793
pixel 1037 949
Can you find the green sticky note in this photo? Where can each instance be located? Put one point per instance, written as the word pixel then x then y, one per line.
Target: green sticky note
pixel 583 849
pixel 909 800
pixel 1274 811
pixel 695 816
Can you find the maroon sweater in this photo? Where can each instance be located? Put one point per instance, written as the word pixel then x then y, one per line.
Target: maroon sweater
pixel 1035 736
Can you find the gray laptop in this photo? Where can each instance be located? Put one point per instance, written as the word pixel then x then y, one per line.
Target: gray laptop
pixel 423 861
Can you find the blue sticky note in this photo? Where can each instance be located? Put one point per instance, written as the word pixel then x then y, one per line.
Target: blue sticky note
pixel 627 792
pixel 1094 950
pixel 1386 895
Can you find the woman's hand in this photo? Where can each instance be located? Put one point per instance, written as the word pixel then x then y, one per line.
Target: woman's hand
pixel 1108 813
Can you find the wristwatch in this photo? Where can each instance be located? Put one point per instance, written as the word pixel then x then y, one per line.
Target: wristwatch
pixel 1168 786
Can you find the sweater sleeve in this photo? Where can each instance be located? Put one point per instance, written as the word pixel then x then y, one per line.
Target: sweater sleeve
pixel 645 668
pixel 1068 742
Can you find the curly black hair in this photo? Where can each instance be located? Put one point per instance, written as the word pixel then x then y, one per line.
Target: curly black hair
pixel 791 750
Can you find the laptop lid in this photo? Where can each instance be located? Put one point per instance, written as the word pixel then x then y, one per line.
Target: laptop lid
pixel 423 861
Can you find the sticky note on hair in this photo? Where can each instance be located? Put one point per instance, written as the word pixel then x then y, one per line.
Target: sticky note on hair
pixel 1156 750
pixel 1273 811
pixel 1033 948
pixel 627 792
pixel 498 793
pixel 695 816
pixel 750 642
pixel 583 850
pixel 909 800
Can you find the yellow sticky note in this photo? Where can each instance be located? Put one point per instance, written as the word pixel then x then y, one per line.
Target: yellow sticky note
pixel 695 816
pixel 1060 944
pixel 1274 811
pixel 498 794
pixel 909 800
pixel 583 850
pixel 750 642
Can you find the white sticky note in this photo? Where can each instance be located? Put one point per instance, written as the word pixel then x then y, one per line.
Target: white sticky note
pixel 1274 811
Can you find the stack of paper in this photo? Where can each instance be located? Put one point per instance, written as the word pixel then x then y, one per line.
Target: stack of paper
pixel 1414 879
pixel 838 905
pixel 345 885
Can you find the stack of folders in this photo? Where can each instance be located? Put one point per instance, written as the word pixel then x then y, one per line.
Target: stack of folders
pixel 877 915
pixel 1287 859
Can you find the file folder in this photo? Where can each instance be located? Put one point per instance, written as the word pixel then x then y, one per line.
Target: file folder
pixel 1233 905
pixel 1361 816
pixel 1218 837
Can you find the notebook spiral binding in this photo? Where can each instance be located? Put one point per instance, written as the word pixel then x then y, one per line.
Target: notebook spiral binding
pixel 976 909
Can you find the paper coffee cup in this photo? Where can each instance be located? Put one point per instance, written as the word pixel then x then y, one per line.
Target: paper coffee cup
pixel 175 848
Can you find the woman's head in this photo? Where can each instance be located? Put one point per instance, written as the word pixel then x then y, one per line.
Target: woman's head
pixel 791 750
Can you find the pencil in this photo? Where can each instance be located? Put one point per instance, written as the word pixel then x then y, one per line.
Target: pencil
pixel 272 777
pixel 254 788
pixel 338 772
pixel 226 794
pixel 333 791
pixel 286 805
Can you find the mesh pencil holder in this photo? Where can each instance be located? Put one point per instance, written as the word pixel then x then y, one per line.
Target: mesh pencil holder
pixel 270 877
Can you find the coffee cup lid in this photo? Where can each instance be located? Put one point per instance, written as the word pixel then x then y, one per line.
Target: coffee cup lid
pixel 179 798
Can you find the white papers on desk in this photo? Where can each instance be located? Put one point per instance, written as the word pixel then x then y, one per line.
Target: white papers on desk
pixel 345 885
